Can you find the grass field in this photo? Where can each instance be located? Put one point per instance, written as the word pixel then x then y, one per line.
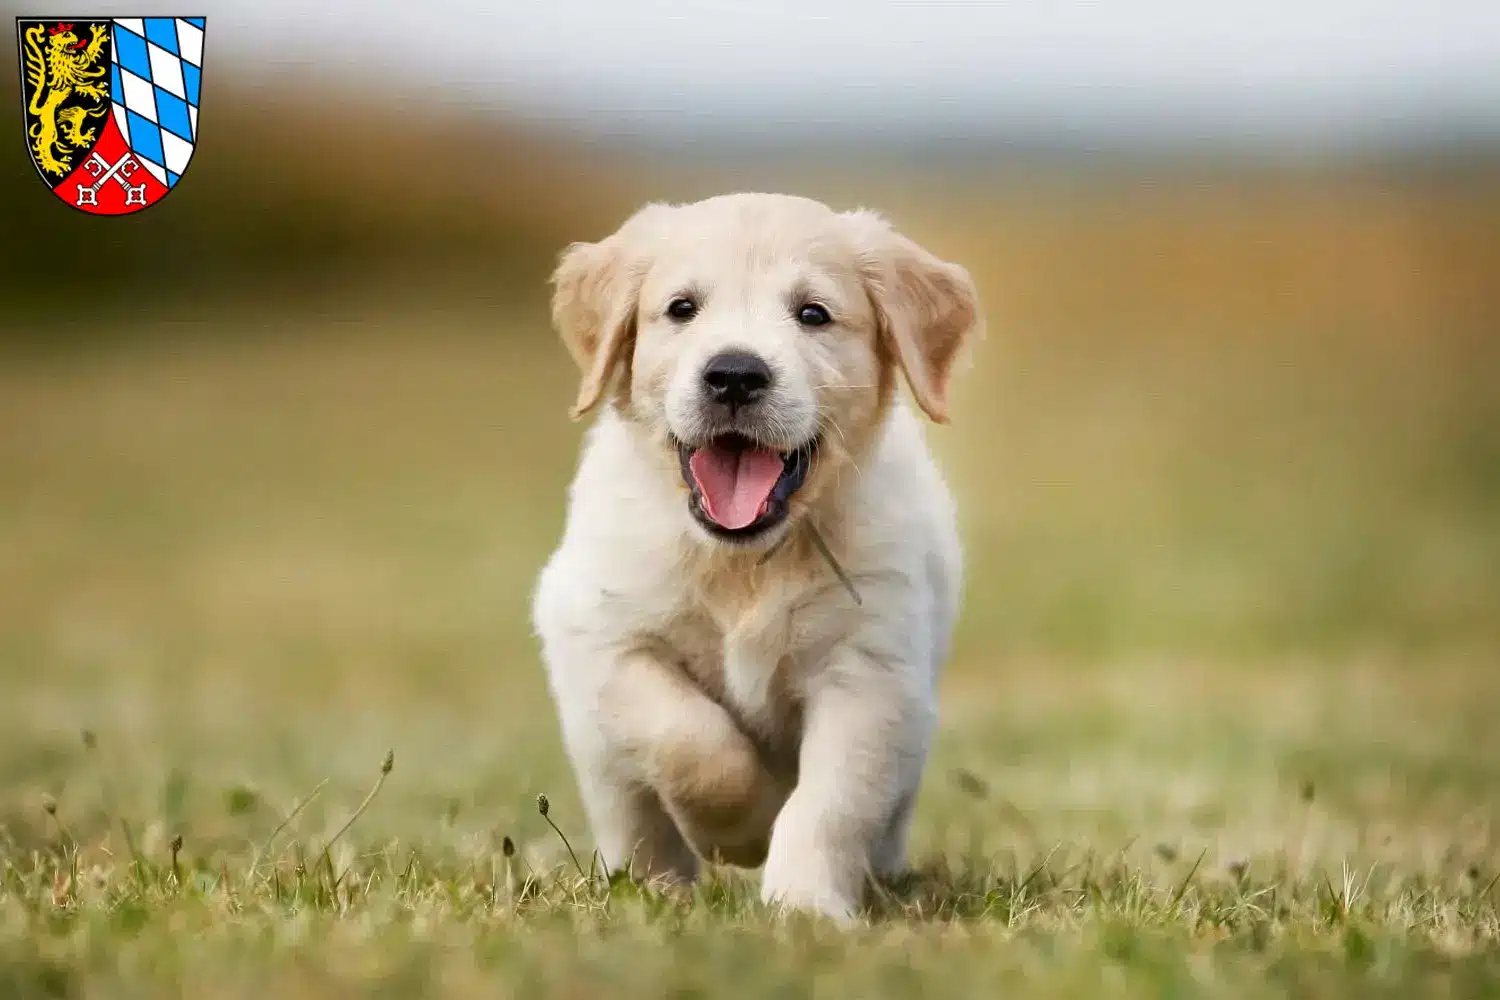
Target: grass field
pixel 1221 722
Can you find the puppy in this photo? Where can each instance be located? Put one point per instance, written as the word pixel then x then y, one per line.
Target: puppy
pixel 745 620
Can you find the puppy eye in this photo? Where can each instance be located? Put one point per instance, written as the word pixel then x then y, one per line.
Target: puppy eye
pixel 813 314
pixel 682 309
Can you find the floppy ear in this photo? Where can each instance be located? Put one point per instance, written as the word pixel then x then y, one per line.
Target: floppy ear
pixel 594 292
pixel 926 308
pixel 593 310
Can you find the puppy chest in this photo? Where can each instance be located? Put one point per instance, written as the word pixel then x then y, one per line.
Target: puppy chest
pixel 748 676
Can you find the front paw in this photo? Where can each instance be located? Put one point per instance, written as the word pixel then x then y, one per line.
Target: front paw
pixel 808 891
pixel 804 875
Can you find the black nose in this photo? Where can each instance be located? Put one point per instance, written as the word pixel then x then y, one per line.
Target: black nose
pixel 736 378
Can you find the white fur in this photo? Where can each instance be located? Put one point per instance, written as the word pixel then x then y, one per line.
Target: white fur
pixel 717 701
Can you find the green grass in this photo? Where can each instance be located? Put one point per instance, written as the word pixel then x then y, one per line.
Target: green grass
pixel 1220 721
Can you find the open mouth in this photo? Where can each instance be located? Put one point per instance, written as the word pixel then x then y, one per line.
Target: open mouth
pixel 741 488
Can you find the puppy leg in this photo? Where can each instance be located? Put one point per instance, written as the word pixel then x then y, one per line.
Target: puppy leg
pixel 864 738
pixel 691 753
pixel 888 859
pixel 633 832
pixel 631 829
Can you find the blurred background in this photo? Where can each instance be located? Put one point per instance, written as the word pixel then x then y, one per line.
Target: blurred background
pixel 281 457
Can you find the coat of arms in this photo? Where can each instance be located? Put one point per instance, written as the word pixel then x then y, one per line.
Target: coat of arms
pixel 110 106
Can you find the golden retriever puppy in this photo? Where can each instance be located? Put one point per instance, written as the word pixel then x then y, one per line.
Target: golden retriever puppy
pixel 746 617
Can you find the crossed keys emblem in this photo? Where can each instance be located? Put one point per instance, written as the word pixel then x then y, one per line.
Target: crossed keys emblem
pixel 120 172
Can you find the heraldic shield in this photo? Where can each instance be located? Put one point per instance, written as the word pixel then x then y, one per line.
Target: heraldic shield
pixel 110 106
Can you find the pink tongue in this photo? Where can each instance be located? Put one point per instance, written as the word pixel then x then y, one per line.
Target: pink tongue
pixel 734 484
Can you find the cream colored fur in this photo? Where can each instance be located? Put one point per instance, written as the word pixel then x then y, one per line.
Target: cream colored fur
pixel 733 702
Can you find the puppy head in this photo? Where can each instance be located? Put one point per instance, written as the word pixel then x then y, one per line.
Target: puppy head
pixel 756 337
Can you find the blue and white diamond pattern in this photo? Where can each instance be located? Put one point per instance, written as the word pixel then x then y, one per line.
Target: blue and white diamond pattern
pixel 156 73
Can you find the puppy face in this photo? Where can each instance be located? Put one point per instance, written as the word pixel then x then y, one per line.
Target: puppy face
pixel 756 337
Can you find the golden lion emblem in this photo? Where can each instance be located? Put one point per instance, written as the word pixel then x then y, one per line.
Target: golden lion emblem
pixel 61 67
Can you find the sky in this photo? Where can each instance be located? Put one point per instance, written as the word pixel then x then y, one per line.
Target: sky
pixel 1268 69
